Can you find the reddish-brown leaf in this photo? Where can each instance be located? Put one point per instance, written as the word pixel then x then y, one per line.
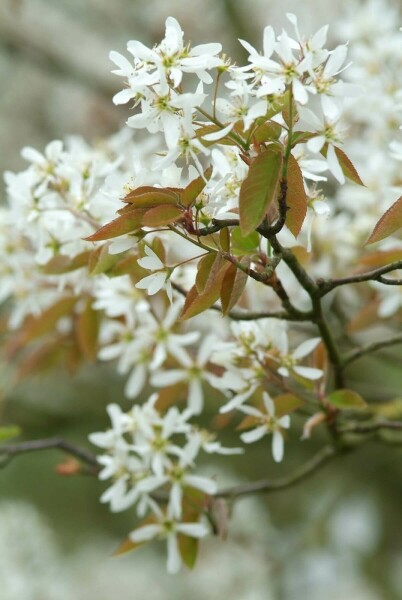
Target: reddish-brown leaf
pixel 161 215
pixel 233 285
pixel 296 198
pixel 126 223
pixel 259 189
pixel 147 197
pixel 390 222
pixel 87 331
pixel 348 167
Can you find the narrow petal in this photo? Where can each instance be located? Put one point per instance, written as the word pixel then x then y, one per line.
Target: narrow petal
pixel 277 446
pixel 145 533
pixel 254 435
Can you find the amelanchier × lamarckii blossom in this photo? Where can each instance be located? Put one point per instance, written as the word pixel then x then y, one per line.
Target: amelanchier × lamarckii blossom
pixel 132 251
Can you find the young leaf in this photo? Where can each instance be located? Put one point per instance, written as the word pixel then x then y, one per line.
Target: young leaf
pixel 126 223
pixel 88 322
pixel 233 285
pixel 198 302
pixel 100 261
pixel 287 403
pixel 390 222
pixel 8 432
pixel 381 258
pixel 244 244
pixel 64 264
pixel 259 189
pixel 190 193
pixel 346 399
pixel 47 320
pixel 188 547
pixel 348 167
pixel 267 132
pixel 161 215
pixel 224 239
pixel 296 198
pixel 147 197
pixel 204 268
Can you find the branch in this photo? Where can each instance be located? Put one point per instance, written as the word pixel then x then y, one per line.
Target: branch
pixel 370 427
pixel 323 456
pixel 327 285
pixel 84 455
pixel 370 347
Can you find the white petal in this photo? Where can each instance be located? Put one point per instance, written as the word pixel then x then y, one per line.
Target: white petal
pixel 308 372
pixel 145 533
pixel 306 348
pixel 277 446
pixel 209 486
pixel 196 530
pixel 254 435
pixel 174 558
pixel 217 135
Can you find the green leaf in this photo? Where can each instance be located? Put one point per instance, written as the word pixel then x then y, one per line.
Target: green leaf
pixel 100 261
pixel 296 198
pixel 259 189
pixel 126 223
pixel 346 399
pixel 267 132
pixel 161 215
pixel 300 137
pixel 287 403
pixel 233 285
pixel 390 222
pixel 188 547
pixel 224 239
pixel 191 192
pixel 7 432
pixel 244 244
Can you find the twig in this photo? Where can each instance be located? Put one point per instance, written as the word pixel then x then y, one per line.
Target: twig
pixel 327 285
pixel 324 455
pixel 11 450
pixel 370 347
pixel 370 427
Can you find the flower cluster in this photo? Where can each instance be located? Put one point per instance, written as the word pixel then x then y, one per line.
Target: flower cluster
pixel 146 451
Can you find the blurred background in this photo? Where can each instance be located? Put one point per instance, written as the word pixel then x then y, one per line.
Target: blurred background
pixel 335 536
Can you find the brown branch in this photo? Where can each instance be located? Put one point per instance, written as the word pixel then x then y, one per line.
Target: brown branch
pixel 370 427
pixel 327 285
pixel 265 486
pixel 84 455
pixel 370 347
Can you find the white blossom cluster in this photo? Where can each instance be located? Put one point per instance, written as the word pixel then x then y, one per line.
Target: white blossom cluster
pixel 73 190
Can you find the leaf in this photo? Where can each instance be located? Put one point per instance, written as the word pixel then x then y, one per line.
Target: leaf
pixel 127 546
pixel 191 192
pixel 224 239
pixel 188 547
pixel 47 320
pixel 197 302
pixel 204 268
pixel 233 285
pixel 100 261
pixel 300 137
pixel 381 258
pixel 390 222
pixel 348 167
pixel 7 432
pixel 126 223
pixel 161 215
pixel 88 322
pixel 365 317
pixel 267 132
pixel 244 244
pixel 65 264
pixel 296 198
pixel 205 129
pixel 148 197
pixel 346 399
pixel 287 403
pixel 259 189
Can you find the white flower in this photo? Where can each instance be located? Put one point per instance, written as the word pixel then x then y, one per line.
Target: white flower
pixel 157 281
pixel 167 527
pixel 289 362
pixel 267 423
